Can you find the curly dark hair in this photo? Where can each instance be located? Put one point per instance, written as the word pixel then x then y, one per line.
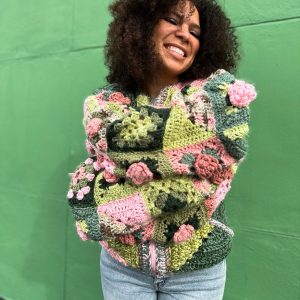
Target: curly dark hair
pixel 129 50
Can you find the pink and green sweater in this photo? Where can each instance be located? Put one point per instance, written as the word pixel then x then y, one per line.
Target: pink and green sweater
pixel 152 190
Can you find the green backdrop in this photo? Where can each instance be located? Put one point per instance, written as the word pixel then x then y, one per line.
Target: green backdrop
pixel 51 57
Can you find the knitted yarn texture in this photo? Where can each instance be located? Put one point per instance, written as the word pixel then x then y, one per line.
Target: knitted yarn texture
pixel 152 190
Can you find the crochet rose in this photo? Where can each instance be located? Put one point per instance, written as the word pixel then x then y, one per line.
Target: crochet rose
pixel 206 165
pixel 184 232
pixel 119 97
pixel 222 175
pixel 139 173
pixel 241 93
pixel 93 127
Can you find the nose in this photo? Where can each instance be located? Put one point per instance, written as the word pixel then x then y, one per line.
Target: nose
pixel 183 33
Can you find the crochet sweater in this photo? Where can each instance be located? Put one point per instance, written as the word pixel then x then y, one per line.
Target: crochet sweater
pixel 152 190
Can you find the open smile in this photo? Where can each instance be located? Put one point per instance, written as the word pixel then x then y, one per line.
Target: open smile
pixel 177 50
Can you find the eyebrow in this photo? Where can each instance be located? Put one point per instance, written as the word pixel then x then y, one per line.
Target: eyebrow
pixel 180 16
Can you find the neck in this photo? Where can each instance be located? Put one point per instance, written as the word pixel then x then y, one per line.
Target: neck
pixel 157 84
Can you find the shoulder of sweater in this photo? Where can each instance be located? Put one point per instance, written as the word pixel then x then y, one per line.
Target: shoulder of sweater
pixel 109 92
pixel 220 75
pixel 239 92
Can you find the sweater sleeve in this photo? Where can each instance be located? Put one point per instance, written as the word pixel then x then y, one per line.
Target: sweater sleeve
pixel 230 99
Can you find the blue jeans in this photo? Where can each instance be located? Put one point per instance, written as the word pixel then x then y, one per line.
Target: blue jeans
pixel 125 283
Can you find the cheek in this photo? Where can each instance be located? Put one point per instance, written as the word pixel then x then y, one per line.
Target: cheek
pixel 196 48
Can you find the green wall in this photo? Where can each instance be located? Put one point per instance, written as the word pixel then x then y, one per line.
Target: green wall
pixel 50 59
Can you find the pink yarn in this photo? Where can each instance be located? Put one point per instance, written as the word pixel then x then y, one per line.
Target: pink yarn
pixel 130 210
pixel 70 194
pixel 78 175
pixel 119 98
pixel 148 232
pixel 80 195
pixel 81 233
pixel 86 190
pixel 198 118
pixel 109 177
pixel 127 239
pixel 213 202
pixel 222 175
pixel 102 145
pixel 88 161
pixel 99 97
pixel 184 232
pixel 241 93
pixel 211 123
pixel 96 166
pixel 203 186
pixel 89 176
pixel 107 164
pixel 93 127
pixel 206 165
pixel 175 157
pixel 89 147
pixel 139 173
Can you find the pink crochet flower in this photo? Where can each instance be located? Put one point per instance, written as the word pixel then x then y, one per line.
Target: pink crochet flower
pixel 184 232
pixel 80 195
pixel 119 97
pixel 86 190
pixel 139 173
pixel 206 165
pixel 102 145
pixel 70 194
pixel 241 93
pixel 93 127
pixel 109 177
pixel 78 175
pixel 97 166
pixel 89 176
pixel 88 161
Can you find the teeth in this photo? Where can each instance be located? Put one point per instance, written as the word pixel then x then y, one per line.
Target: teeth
pixel 177 50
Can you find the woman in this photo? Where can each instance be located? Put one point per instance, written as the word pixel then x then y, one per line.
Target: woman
pixel 166 137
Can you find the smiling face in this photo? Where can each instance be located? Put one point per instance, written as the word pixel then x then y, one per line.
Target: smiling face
pixel 176 39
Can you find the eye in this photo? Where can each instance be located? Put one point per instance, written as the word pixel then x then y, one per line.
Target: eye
pixel 195 34
pixel 171 20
